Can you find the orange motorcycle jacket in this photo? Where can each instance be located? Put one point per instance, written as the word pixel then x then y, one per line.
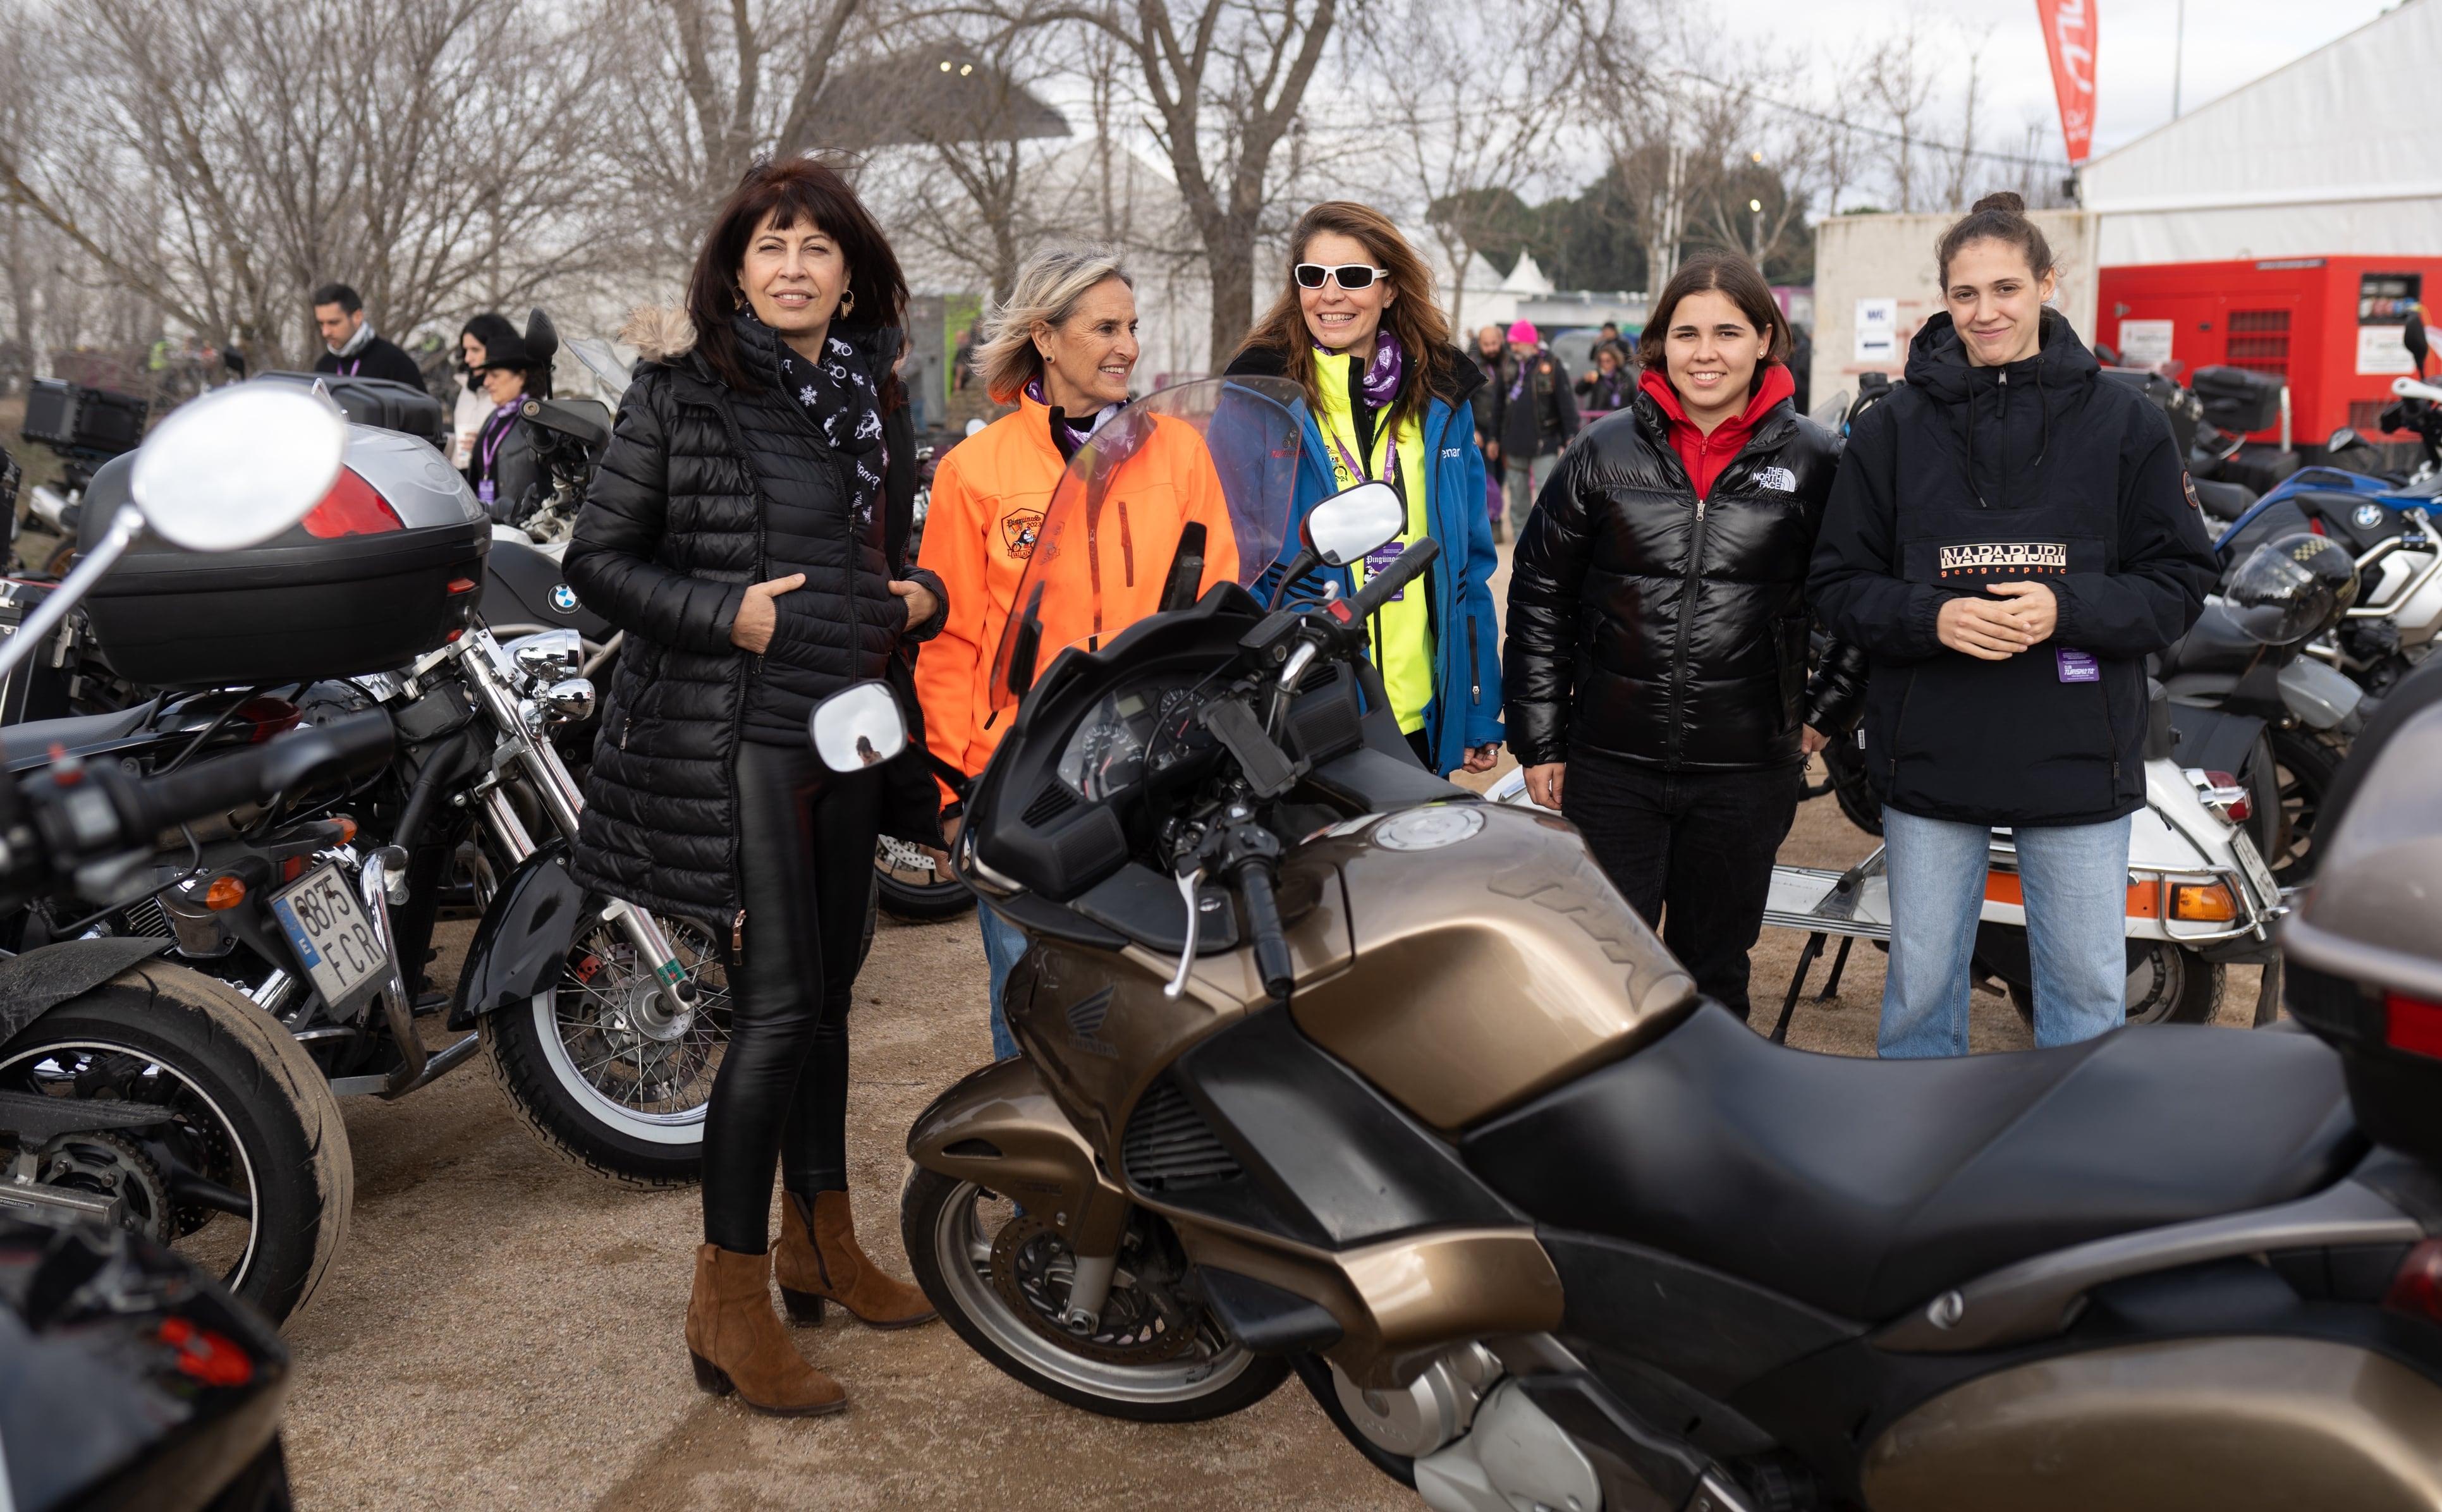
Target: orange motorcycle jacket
pixel 1104 563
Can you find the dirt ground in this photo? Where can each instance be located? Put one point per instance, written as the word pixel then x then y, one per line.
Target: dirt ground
pixel 503 1330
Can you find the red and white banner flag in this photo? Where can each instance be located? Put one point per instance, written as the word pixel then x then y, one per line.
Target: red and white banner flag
pixel 2068 32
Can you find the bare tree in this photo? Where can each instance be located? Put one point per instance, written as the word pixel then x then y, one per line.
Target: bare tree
pixel 1464 151
pixel 1900 81
pixel 1964 160
pixel 224 156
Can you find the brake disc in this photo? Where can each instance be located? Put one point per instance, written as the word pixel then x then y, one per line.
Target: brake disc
pixel 1031 1269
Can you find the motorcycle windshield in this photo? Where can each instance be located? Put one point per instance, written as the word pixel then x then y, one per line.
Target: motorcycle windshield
pixel 1182 490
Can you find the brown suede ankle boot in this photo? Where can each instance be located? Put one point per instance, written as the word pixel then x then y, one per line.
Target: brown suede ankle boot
pixel 819 1260
pixel 738 1345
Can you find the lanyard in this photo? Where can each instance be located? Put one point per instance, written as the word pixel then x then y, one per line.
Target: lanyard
pixel 487 450
pixel 1390 456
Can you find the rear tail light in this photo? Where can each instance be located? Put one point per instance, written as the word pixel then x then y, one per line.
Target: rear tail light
pixel 2222 793
pixel 351 508
pixel 2209 902
pixel 2416 1287
pixel 2412 1024
pixel 463 585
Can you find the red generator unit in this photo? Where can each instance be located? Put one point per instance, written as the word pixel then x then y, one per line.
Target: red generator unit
pixel 2327 326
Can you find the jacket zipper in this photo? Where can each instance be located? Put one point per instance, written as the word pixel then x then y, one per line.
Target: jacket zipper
pixel 1474 672
pixel 1758 442
pixel 1891 758
pixel 2111 727
pixel 1127 545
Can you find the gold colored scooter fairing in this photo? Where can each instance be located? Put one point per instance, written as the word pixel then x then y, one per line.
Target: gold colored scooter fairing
pixel 998 1129
pixel 2217 1425
pixel 1495 967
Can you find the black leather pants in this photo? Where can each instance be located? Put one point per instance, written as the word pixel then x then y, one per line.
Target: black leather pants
pixel 805 864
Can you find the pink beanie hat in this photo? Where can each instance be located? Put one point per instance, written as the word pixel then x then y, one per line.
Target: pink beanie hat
pixel 1523 333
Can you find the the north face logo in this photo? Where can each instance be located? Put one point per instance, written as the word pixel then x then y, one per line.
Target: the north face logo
pixel 1018 530
pixel 1780 479
pixel 2000 556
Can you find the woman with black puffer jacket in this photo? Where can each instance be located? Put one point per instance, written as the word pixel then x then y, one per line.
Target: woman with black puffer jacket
pixel 1658 693
pixel 747 530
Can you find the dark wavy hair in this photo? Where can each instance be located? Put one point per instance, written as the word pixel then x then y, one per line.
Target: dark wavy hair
pixel 788 190
pixel 1742 281
pixel 1414 317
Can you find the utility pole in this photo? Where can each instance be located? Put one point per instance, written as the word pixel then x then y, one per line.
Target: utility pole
pixel 2178 57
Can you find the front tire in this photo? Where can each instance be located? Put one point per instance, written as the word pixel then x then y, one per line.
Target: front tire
pixel 996 1275
pixel 602 1073
pixel 253 1122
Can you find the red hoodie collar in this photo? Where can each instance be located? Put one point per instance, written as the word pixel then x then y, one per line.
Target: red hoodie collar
pixel 1777 385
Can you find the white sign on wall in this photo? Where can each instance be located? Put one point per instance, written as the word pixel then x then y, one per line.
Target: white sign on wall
pixel 2144 343
pixel 2380 351
pixel 1878 330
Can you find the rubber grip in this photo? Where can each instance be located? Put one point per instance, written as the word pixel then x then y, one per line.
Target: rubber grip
pixel 1272 962
pixel 1404 568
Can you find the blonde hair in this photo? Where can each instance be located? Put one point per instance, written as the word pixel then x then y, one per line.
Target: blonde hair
pixel 1050 285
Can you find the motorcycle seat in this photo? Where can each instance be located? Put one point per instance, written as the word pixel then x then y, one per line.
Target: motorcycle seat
pixel 34 740
pixel 2211 644
pixel 1867 1186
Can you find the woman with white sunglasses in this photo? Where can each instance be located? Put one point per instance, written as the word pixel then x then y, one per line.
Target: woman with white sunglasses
pixel 1387 397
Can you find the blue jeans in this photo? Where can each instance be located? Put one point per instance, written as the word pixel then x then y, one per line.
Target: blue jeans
pixel 2075 880
pixel 1003 942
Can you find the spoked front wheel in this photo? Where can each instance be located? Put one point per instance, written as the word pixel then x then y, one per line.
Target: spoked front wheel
pixel 605 1071
pixel 913 887
pixel 1001 1277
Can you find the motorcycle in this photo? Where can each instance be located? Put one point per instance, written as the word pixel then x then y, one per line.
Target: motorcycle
pixel 1331 1068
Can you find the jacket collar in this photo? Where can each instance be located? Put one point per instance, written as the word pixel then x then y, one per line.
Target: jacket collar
pixel 1657 404
pixel 1937 365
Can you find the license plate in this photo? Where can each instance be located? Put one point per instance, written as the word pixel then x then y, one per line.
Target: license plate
pixel 2258 875
pixel 333 938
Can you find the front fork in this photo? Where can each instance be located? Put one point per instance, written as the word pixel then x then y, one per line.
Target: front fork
pixel 524 745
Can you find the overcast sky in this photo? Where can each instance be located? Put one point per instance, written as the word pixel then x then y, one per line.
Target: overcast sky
pixel 2229 42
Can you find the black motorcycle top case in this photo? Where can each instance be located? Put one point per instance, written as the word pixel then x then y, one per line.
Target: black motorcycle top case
pixel 376 402
pixel 387 567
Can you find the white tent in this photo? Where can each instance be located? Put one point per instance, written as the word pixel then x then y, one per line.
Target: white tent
pixel 2338 153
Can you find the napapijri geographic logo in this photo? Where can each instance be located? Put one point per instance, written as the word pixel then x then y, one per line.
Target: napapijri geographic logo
pixel 1779 480
pixel 563 598
pixel 2006 557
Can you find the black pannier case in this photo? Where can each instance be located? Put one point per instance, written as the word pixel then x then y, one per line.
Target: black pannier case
pixel 376 402
pixel 81 421
pixel 2239 400
pixel 386 568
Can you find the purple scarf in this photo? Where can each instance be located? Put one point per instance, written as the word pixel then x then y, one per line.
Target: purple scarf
pixel 1380 384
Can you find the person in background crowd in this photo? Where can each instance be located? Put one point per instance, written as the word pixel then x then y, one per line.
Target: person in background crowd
pixel 500 464
pixel 1492 357
pixel 962 362
pixel 1539 414
pixel 1801 366
pixel 472 406
pixel 2009 538
pixel 1608 386
pixel 1061 348
pixel 1658 690
pixel 743 531
pixel 1356 327
pixel 351 348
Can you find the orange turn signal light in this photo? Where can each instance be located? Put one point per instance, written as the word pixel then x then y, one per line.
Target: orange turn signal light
pixel 2209 902
pixel 347 829
pixel 225 892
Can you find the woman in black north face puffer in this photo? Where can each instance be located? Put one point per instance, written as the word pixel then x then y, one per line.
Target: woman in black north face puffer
pixel 747 531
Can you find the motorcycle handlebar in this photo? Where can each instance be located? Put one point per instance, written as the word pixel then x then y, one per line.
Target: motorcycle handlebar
pixel 1404 568
pixel 173 798
pixel 1272 962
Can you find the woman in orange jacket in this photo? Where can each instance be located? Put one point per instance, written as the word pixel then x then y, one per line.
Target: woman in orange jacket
pixel 1061 348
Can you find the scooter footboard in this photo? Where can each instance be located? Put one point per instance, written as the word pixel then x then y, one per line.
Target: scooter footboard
pixel 999 1129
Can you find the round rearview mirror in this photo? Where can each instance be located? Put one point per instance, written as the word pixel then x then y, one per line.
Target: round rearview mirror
pixel 859 726
pixel 1354 521
pixel 238 466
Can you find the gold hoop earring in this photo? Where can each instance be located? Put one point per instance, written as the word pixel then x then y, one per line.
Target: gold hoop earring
pixel 738 296
pixel 847 301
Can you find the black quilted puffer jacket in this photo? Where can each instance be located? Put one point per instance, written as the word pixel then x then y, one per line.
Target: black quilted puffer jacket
pixel 703 490
pixel 1648 627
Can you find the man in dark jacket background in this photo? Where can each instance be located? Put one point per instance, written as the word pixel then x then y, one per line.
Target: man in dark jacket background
pixel 1490 355
pixel 1539 414
pixel 2009 537
pixel 350 347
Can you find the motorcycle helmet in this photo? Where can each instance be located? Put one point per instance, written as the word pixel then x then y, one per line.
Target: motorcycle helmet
pixel 2291 590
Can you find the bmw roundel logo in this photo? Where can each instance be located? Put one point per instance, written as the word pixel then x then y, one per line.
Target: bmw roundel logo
pixel 563 598
pixel 2367 517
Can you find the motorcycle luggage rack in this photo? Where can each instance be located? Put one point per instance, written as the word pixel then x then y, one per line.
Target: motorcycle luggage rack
pixel 1824 903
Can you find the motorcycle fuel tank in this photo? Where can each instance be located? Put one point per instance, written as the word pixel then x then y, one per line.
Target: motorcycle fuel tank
pixel 1493 960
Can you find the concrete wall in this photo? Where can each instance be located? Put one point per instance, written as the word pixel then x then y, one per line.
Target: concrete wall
pixel 1890 257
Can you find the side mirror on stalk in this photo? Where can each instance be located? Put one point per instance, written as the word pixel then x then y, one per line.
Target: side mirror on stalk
pixel 1342 529
pixel 859 726
pixel 2411 335
pixel 224 472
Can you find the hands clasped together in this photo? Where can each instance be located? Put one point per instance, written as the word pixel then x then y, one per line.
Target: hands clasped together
pixel 758 617
pixel 1992 632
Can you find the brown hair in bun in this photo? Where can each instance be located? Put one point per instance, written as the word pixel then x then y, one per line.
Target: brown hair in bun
pixel 2001 216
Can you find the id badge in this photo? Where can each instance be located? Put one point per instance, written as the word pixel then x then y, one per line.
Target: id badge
pixel 2078 666
pixel 486 491
pixel 1378 560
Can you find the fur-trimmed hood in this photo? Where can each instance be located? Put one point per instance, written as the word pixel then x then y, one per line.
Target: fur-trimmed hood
pixel 659 333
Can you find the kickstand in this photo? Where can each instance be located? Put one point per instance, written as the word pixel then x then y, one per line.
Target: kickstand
pixel 2268 997
pixel 1839 964
pixel 1797 983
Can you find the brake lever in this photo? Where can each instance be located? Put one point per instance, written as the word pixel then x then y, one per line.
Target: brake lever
pixel 1188 883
